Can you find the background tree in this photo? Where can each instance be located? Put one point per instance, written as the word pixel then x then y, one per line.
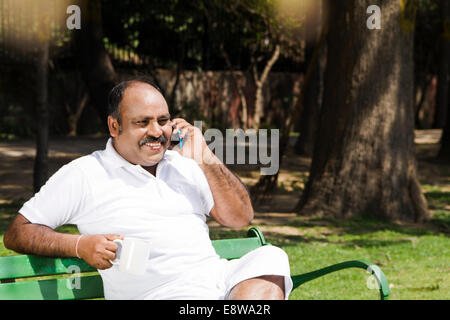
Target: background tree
pixel 265 35
pixel 442 96
pixel 444 86
pixel 363 161
pixel 309 114
pixel 41 59
pixel 171 34
pixel 30 45
pixel 266 184
pixel 95 63
pixel 426 54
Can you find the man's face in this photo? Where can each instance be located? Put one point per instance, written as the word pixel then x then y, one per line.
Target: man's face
pixel 144 123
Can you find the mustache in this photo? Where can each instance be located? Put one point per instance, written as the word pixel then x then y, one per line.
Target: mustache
pixel 148 139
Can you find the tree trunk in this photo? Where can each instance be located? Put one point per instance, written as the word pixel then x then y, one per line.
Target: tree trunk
pixel 74 116
pixel 363 161
pixel 259 83
pixel 40 171
pixel 442 96
pixel 309 117
pixel 98 71
pixel 238 87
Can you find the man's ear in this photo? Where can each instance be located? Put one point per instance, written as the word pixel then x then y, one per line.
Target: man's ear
pixel 113 126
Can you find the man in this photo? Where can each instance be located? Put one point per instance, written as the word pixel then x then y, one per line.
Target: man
pixel 136 187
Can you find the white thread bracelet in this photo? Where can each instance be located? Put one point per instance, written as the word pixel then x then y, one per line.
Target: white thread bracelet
pixel 76 246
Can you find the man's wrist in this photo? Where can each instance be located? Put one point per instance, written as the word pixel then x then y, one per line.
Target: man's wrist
pixel 209 158
pixel 77 254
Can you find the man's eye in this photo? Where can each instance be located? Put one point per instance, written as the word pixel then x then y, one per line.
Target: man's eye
pixel 163 121
pixel 141 123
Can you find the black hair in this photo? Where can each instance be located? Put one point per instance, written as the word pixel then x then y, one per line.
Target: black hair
pixel 116 94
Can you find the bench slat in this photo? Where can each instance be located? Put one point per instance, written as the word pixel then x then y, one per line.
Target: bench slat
pixel 54 289
pixel 235 248
pixel 31 266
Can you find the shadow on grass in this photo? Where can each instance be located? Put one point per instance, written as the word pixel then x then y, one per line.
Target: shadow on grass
pixel 438 195
pixel 437 199
pixel 364 225
pixel 356 232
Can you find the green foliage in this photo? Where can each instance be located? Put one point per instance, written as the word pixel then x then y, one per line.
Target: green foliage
pixel 192 32
pixel 167 31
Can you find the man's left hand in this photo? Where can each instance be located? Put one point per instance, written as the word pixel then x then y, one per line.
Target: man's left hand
pixel 194 144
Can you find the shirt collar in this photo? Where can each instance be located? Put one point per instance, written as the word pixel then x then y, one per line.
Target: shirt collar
pixel 115 160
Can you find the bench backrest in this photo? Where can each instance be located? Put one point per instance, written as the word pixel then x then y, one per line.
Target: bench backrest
pixel 41 278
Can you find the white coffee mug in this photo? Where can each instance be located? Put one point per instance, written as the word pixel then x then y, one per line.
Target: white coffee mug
pixel 132 255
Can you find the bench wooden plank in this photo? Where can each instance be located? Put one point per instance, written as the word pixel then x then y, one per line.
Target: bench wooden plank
pixel 31 266
pixel 54 289
pixel 235 248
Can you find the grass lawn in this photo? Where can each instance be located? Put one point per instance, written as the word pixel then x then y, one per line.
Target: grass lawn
pixel 414 259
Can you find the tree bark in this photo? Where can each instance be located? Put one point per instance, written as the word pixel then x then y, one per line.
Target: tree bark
pixel 363 161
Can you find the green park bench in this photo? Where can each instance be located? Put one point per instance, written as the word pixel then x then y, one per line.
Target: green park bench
pixel 30 277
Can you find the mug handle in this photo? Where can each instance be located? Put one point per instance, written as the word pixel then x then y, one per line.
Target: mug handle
pixel 120 244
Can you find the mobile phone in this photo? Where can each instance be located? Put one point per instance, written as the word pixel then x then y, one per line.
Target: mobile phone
pixel 176 139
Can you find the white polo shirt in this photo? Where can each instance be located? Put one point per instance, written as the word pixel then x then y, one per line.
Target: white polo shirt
pixel 103 193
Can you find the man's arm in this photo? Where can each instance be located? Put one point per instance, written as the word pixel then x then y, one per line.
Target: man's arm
pixel 25 237
pixel 232 205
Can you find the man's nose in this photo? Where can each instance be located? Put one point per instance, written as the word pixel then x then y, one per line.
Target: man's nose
pixel 154 129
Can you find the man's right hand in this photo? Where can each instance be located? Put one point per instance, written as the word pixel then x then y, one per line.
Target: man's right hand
pixel 98 250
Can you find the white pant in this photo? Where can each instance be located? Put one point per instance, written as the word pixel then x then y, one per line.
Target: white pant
pixel 214 280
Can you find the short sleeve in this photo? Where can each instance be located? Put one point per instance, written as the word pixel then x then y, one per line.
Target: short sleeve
pixel 60 200
pixel 203 188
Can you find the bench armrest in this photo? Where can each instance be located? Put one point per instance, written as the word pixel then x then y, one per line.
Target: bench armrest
pixel 368 266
